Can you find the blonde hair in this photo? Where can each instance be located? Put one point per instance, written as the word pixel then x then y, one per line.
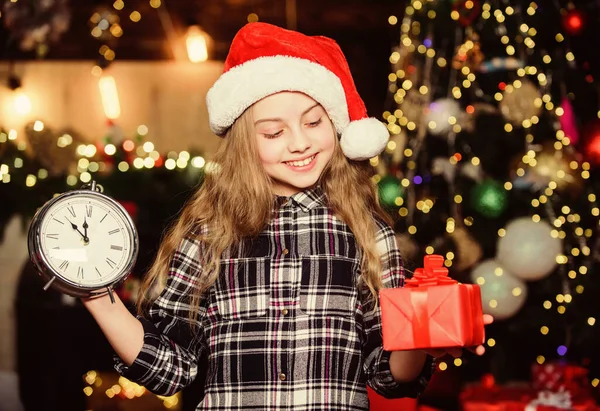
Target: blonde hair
pixel 236 202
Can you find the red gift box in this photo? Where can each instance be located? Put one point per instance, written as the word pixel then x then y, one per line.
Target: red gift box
pixel 431 311
pixel 558 376
pixel 496 398
pixel 515 397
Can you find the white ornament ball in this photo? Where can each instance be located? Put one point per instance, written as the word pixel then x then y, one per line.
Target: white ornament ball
pixel 528 249
pixel 502 295
pixel 439 114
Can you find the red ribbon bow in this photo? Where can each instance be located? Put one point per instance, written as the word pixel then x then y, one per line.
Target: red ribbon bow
pixel 434 273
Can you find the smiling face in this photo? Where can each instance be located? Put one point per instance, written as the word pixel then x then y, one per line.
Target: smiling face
pixel 295 140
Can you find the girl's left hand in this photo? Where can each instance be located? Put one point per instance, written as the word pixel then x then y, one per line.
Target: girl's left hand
pixel 456 352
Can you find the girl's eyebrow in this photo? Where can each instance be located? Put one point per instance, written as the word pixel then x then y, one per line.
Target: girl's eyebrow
pixel 264 120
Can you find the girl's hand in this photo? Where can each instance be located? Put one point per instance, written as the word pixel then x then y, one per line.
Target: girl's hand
pixel 457 351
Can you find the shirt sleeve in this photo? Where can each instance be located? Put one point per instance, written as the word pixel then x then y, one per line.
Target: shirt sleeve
pixel 377 360
pixel 168 360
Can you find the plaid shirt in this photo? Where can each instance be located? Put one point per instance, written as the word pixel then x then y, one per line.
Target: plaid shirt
pixel 284 327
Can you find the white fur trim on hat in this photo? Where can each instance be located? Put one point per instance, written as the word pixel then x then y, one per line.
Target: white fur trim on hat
pixel 364 138
pixel 245 84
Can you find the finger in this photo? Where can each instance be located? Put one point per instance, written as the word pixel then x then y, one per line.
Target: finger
pixel 478 350
pixel 487 319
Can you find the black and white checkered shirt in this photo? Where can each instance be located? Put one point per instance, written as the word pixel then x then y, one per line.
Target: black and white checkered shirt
pixel 284 327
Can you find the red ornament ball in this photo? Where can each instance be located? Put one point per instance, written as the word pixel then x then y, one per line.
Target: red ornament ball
pixel 573 22
pixel 591 150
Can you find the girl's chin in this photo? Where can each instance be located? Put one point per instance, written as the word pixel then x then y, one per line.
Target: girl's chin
pixel 287 189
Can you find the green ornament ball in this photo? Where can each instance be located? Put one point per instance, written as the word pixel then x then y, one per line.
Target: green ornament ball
pixel 389 190
pixel 489 198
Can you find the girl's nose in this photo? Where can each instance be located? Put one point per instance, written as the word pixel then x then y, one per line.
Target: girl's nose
pixel 299 142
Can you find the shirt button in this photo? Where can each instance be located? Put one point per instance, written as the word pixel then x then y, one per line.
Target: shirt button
pixel 285 251
pixel 282 377
pixel 284 311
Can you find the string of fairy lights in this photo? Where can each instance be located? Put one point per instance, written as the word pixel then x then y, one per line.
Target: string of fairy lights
pixel 120 387
pixel 568 220
pixel 89 158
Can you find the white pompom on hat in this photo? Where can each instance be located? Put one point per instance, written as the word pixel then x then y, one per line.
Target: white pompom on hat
pixel 265 59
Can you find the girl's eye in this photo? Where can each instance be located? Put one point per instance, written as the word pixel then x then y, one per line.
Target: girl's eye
pixel 275 135
pixel 315 123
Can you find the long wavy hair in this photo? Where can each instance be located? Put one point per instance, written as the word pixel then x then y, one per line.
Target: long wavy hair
pixel 236 201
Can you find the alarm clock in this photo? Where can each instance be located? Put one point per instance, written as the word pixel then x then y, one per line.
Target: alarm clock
pixel 83 243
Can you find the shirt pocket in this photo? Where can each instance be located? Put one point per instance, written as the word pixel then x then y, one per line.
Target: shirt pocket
pixel 243 288
pixel 328 286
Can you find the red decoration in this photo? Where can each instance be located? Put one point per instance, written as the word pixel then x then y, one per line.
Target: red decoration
pixel 513 398
pixel 379 403
pixel 431 311
pixel 496 398
pixel 556 376
pixel 591 142
pixel 568 122
pixel 466 16
pixel 592 149
pixel 131 208
pixel 573 21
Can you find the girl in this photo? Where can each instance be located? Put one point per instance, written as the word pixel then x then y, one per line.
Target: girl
pixel 273 268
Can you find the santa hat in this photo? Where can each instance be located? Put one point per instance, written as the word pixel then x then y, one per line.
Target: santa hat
pixel 266 59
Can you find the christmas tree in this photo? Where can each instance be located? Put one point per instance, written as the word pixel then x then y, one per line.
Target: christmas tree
pixel 492 163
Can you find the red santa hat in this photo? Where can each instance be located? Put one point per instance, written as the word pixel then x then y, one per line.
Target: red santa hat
pixel 266 59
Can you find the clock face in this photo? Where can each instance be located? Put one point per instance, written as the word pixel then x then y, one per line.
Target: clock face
pixel 87 240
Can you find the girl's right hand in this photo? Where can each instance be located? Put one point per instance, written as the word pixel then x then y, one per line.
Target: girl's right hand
pixel 122 329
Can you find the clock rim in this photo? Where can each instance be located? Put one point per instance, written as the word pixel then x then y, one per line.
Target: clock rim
pixel 61 283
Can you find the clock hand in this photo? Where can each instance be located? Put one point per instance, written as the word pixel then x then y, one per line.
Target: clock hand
pixel 74 226
pixel 85 227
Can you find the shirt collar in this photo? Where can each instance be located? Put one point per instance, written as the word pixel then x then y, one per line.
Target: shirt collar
pixel 307 199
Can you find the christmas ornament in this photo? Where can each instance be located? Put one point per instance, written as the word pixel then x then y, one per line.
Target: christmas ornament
pixel 568 123
pixel 439 116
pixel 574 22
pixel 489 198
pixel 502 294
pixel 547 165
pixel 389 190
pixel 522 103
pixel 551 400
pixel 413 106
pixel 472 171
pixel 528 249
pixel 591 145
pixel 468 250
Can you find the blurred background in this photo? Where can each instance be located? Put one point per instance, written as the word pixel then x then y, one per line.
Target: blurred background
pixel 494 117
